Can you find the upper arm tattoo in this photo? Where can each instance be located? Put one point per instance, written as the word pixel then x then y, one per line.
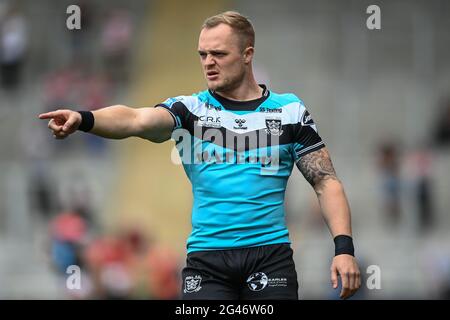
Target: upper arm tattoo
pixel 317 167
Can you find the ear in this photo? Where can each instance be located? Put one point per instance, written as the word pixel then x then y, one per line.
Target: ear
pixel 248 54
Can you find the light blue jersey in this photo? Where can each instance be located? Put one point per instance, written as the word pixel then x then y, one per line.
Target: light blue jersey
pixel 238 157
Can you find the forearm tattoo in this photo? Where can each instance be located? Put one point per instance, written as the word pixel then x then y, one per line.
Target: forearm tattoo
pixel 317 167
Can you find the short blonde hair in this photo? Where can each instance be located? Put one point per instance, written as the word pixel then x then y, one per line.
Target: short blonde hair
pixel 237 22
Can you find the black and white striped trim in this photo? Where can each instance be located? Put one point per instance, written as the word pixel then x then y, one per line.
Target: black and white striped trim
pixel 314 147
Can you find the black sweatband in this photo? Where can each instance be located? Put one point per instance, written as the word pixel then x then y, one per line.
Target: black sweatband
pixel 87 121
pixel 343 245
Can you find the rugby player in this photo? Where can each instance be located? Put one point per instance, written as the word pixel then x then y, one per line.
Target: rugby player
pixel 238 141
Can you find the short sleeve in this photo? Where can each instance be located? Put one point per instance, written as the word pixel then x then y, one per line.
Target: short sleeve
pixel 177 109
pixel 306 136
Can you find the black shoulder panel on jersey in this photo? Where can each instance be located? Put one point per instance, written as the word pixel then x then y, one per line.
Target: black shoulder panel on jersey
pixel 180 113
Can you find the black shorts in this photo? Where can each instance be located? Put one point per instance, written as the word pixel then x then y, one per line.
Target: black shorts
pixel 265 272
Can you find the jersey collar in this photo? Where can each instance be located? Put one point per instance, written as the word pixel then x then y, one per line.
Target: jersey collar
pixel 236 105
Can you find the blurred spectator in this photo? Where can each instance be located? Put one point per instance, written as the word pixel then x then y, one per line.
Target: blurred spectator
pixel 442 127
pixel 127 266
pixel 68 232
pixel 389 169
pixel 420 166
pixel 163 273
pixel 116 44
pixel 13 45
pixel 106 258
pixel 114 263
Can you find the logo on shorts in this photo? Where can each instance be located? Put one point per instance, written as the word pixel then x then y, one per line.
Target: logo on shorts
pixel 192 284
pixel 274 127
pixel 257 281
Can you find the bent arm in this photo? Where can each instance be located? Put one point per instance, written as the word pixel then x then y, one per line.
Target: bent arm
pixel 119 122
pixel 318 170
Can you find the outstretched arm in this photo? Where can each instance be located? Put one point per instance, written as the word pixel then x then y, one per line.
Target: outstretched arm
pixel 115 122
pixel 318 170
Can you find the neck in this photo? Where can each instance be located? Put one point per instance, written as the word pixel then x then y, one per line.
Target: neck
pixel 248 89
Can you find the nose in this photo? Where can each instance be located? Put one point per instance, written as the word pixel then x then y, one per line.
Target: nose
pixel 209 60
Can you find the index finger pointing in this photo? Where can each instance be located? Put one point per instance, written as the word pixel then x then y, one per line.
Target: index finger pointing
pixel 48 115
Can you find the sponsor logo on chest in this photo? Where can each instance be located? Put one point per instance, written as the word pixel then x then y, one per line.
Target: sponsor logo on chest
pixel 211 121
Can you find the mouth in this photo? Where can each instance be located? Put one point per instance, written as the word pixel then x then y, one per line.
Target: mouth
pixel 212 75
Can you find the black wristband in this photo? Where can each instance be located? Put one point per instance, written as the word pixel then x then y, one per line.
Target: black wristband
pixel 87 121
pixel 343 245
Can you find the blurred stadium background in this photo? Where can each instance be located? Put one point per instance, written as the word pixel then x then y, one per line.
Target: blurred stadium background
pixel 121 209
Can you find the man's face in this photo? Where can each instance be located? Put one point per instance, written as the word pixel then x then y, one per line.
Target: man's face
pixel 222 58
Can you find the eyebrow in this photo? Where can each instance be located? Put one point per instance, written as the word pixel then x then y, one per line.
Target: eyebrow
pixel 212 51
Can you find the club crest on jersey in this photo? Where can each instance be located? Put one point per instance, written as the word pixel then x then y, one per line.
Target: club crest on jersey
pixel 192 284
pixel 273 127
